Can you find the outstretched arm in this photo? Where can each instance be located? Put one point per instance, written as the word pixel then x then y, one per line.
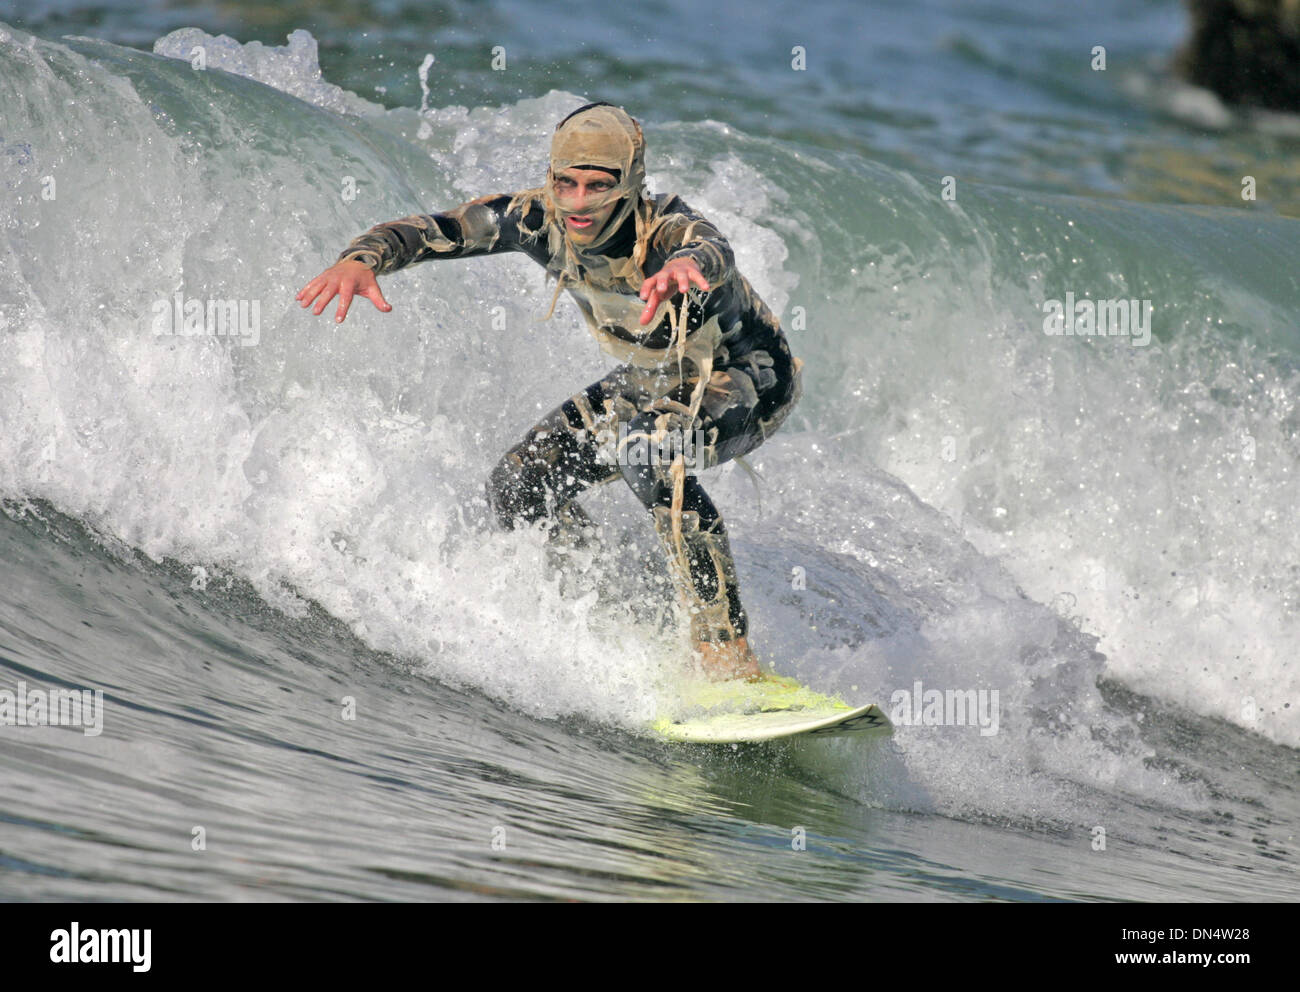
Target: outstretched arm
pixel 480 227
pixel 697 254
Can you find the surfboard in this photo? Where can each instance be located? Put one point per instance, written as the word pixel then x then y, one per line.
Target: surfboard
pixel 772 709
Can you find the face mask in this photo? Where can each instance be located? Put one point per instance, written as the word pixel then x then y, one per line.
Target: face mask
pixel 601 137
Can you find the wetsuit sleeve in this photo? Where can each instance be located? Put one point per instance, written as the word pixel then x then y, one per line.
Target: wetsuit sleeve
pixel 686 234
pixel 479 227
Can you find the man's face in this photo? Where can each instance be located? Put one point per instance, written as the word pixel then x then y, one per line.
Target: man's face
pixel 573 189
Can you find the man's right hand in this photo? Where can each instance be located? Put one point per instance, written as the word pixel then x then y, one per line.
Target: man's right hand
pixel 347 279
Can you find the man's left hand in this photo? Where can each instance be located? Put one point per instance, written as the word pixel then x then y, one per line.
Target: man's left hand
pixel 677 274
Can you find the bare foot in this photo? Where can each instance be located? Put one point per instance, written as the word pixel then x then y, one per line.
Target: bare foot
pixel 723 660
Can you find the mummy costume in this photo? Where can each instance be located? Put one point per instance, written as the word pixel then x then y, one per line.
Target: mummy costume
pixel 715 368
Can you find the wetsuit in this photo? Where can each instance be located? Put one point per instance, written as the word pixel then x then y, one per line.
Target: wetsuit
pixel 652 400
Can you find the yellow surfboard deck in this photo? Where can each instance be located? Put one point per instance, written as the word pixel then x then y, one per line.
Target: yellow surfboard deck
pixel 747 712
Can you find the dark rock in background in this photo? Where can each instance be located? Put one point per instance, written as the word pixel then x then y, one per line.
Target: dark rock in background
pixel 1246 51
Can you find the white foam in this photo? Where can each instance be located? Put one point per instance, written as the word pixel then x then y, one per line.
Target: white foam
pixel 293 68
pixel 1144 492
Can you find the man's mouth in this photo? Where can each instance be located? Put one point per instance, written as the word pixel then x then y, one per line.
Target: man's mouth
pixel 580 222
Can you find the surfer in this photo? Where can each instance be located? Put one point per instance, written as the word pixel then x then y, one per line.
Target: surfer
pixel 707 373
